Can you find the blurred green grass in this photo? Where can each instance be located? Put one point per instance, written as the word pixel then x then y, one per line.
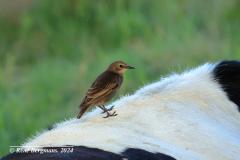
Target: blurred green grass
pixel 50 54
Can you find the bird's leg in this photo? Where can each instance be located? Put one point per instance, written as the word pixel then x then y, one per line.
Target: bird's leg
pixel 110 114
pixel 105 109
pixel 111 108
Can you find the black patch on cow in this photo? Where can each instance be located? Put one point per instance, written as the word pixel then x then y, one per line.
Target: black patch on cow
pixel 85 153
pixel 139 154
pixel 227 73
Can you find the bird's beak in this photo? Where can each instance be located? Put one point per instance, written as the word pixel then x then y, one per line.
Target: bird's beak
pixel 129 67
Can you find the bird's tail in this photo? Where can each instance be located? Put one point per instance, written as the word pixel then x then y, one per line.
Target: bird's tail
pixel 82 111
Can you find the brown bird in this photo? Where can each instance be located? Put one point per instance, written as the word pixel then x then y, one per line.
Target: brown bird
pixel 104 88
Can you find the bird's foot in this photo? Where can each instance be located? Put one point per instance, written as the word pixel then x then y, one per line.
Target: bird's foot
pixel 107 110
pixel 110 114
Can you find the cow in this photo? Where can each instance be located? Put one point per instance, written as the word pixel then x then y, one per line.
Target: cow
pixel 189 116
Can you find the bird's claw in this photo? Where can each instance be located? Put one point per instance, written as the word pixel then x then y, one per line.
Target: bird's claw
pixel 110 114
pixel 107 110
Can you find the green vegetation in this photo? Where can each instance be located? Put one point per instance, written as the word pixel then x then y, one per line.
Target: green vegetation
pixel 52 52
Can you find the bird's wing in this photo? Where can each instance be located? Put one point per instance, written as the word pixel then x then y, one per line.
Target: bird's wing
pixel 102 87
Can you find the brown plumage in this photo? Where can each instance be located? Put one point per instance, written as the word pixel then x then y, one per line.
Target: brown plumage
pixel 104 88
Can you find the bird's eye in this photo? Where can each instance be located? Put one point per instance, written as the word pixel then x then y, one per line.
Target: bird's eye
pixel 121 66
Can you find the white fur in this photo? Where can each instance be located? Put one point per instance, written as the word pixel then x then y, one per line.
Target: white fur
pixel 187 116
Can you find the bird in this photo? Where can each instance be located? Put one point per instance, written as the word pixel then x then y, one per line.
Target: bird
pixel 104 88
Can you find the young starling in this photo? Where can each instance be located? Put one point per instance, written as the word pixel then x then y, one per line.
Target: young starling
pixel 104 88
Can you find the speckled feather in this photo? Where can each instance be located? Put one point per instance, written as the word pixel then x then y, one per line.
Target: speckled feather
pixel 102 90
pixel 104 87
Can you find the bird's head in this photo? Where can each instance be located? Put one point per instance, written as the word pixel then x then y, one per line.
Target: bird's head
pixel 119 67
